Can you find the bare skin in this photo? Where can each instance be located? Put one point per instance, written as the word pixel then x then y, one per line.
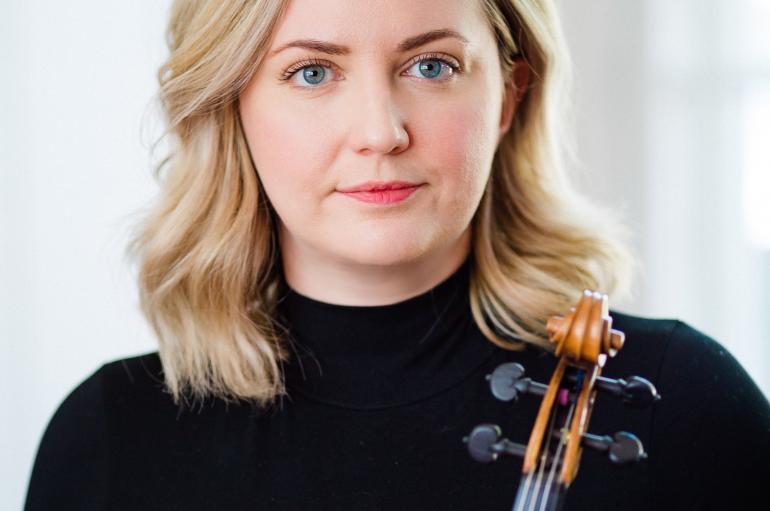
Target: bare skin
pixel 376 113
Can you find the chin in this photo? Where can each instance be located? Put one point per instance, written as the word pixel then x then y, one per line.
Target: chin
pixel 386 253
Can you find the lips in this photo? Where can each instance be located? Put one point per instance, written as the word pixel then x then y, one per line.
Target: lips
pixel 387 193
pixel 379 186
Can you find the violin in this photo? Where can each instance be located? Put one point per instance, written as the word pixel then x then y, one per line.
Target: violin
pixel 583 339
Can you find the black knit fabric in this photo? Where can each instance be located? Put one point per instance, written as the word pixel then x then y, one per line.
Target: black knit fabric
pixel 380 398
pixel 371 358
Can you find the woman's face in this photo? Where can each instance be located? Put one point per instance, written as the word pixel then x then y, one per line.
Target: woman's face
pixel 377 111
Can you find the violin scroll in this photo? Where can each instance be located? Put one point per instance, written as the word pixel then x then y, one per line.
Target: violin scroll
pixel 585 333
pixel 583 339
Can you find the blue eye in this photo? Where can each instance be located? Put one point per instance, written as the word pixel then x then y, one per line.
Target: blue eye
pixel 312 73
pixel 311 70
pixel 429 67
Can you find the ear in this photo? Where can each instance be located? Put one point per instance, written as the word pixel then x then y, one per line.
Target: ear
pixel 514 92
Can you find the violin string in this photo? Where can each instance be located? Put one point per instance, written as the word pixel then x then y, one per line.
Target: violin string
pixel 546 451
pixel 562 442
pixel 538 482
pixel 541 466
pixel 519 503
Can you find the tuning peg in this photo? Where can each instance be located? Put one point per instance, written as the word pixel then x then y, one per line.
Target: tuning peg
pixel 485 445
pixel 507 382
pixel 635 392
pixel 622 448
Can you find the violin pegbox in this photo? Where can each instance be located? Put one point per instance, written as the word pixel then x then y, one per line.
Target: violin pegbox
pixel 583 339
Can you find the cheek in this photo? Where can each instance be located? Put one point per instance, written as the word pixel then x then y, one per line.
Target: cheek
pixel 461 142
pixel 288 154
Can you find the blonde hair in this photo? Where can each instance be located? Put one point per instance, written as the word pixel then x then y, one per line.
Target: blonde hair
pixel 209 270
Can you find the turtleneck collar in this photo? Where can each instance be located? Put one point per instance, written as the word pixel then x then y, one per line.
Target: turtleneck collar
pixel 370 357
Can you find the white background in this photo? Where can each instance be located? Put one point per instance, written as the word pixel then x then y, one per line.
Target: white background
pixel 673 103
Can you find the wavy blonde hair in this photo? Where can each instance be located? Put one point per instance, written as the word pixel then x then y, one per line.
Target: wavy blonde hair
pixel 207 254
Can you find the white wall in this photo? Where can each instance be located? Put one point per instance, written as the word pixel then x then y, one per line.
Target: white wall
pixel 663 134
pixel 673 107
pixel 77 84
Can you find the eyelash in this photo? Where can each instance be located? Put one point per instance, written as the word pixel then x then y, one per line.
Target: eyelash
pixel 299 66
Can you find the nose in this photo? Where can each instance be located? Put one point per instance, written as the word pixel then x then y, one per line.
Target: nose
pixel 377 122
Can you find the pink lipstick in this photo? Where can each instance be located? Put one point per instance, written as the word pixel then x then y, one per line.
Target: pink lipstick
pixel 377 192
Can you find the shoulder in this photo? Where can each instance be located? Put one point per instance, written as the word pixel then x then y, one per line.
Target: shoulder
pixel 134 390
pixel 645 345
pixel 649 334
pixel 683 361
pixel 72 462
pixel 81 409
pixel 669 347
pixel 712 420
pixel 88 402
pixel 85 412
pixel 141 373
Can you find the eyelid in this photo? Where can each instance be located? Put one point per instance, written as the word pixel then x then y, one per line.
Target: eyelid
pixel 446 59
pixel 303 63
pixel 452 62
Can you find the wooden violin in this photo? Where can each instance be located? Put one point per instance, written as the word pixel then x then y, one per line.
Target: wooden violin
pixel 583 340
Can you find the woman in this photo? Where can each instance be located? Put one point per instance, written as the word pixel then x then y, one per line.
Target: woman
pixel 363 216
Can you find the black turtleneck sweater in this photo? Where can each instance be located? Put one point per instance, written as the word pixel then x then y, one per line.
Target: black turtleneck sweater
pixel 380 398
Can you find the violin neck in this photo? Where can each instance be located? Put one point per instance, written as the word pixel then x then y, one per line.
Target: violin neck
pixel 534 495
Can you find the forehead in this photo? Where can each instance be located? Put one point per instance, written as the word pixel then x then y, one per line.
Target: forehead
pixel 379 25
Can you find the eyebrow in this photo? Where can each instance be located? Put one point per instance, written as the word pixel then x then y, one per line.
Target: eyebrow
pixel 406 45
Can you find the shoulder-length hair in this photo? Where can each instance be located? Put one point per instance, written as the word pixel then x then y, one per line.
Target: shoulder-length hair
pixel 207 249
